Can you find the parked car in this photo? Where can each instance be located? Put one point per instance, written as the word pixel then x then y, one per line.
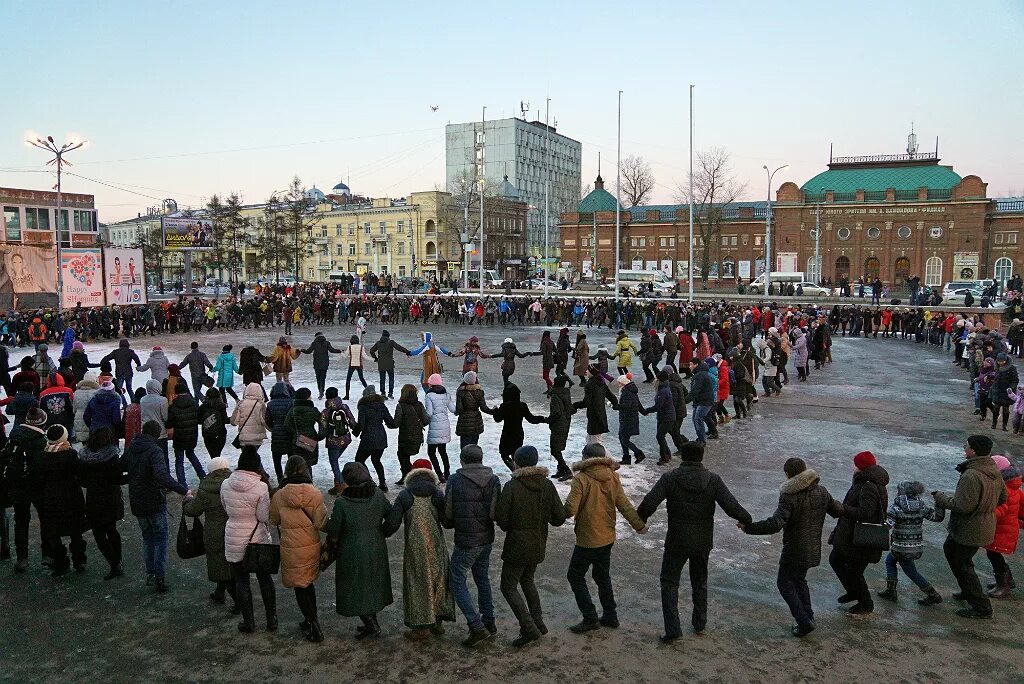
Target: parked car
pixel 812 290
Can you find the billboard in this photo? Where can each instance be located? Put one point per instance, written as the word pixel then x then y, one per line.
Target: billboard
pixel 123 276
pixel 187 233
pixel 83 277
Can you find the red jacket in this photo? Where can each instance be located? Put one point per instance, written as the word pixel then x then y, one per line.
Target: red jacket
pixel 1008 521
pixel 723 380
pixel 685 348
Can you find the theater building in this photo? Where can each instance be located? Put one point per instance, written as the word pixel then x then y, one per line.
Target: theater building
pixel 889 216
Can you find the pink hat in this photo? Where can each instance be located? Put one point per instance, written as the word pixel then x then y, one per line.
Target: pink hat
pixel 1001 462
pixel 434 380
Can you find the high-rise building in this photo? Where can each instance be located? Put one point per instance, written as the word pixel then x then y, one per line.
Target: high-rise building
pixel 525 155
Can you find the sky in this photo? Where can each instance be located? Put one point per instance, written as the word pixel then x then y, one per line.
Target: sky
pixel 190 99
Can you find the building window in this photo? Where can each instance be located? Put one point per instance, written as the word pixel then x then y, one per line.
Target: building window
pixel 1005 238
pixel 842 267
pixel 757 240
pixel 351 249
pixel 383 228
pixel 843 233
pixel 935 232
pixel 1003 270
pixel 401 271
pixel 383 248
pixel 37 219
pixel 84 222
pixel 341 250
pixel 903 232
pixel 933 272
pixel 310 274
pixel 337 230
pixel 401 248
pixel 431 251
pixel 874 233
pixel 1011 238
pixel 351 229
pixel 725 240
pixel 871 268
pixel 12 221
pixel 401 227
pixel 366 228
pixel 366 248
pixel 812 271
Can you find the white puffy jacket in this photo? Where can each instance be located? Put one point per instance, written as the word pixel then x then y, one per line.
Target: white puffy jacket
pixel 438 406
pixel 246 499
pixel 83 393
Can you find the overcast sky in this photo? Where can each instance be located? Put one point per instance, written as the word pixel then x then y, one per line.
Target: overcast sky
pixel 188 99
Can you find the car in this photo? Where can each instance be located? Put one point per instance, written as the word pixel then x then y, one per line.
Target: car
pixel 812 290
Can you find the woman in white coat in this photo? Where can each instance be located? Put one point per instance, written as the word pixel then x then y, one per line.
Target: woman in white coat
pixel 356 355
pixel 438 404
pixel 249 416
pixel 84 391
pixel 246 499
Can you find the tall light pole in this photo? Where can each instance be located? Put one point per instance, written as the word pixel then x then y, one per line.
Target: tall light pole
pixel 547 185
pixel 58 161
pixel 768 230
pixel 618 184
pixel 483 181
pixel 689 267
pixel 817 238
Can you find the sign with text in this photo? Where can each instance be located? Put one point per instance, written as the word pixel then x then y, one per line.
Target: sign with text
pixel 123 275
pixel 187 233
pixel 83 277
pixel 744 269
pixel 965 265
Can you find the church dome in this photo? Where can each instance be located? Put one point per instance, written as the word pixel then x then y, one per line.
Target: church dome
pixel 341 189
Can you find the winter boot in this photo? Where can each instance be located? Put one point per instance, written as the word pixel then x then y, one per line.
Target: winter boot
pixel 931 597
pixel 890 590
pixel 315 635
pixel 248 623
pixel 1002 589
pixel 5 539
pixel 270 606
pixel 1013 584
pixel 640 456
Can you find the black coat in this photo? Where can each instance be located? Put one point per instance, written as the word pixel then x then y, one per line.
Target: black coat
pixel 411 417
pixel 512 412
pixel 595 393
pixel 629 411
pixel 692 493
pixel 470 500
pixel 100 475
pixel 526 506
pixel 277 410
pixel 321 349
pixel 1006 379
pixel 560 417
pixel 371 417
pixel 147 476
pixel 803 504
pixel 384 353
pixel 63 506
pixel 866 501
pixel 19 468
pixel 183 418
pixel 250 362
pixel 469 402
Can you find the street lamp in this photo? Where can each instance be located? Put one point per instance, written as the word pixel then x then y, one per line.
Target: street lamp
pixel 58 161
pixel 817 237
pixel 768 229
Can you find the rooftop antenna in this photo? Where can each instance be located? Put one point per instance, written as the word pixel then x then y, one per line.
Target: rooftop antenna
pixel 830 153
pixel 936 147
pixel 524 107
pixel 912 141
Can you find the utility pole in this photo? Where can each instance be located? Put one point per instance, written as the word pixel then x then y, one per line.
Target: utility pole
pixel 618 184
pixel 768 230
pixel 547 184
pixel 689 267
pixel 483 181
pixel 817 239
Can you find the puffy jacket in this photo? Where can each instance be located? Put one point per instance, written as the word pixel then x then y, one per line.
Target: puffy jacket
pixel 99 473
pixel 803 503
pixel 384 351
pixel 866 501
pixel 525 508
pixel 664 404
pixel 183 418
pixel 1008 518
pixel 629 410
pixel 62 504
pixel 250 416
pixel 282 357
pixel 371 417
pixel 297 508
pixel 595 394
pixel 438 404
pixel 594 497
pixel 207 504
pixel 512 412
pixel 58 402
pixel 213 405
pixel 905 518
pixel 246 500
pixel 470 499
pixel 469 402
pixel 979 492
pixel 277 409
pixel 86 390
pixel 411 417
pixel 304 419
pixel 625 349
pixel 157 365
pixel 321 349
pixel 226 367
pixel 148 477
pixel 702 389
pixel 104 409
pixel 155 406
pixel 560 414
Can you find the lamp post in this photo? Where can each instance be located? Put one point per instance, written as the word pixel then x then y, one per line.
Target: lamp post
pixel 58 161
pixel 768 229
pixel 618 185
pixel 817 238
pixel 689 264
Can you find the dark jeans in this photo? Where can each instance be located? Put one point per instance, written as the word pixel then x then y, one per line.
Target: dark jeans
pixel 442 449
pixel 22 518
pixel 405 455
pixel 321 381
pixel 526 605
pixel 478 561
pixel 348 379
pixel 243 591
pixel 215 443
pixel 909 569
pixel 672 563
pixel 999 565
pixel 389 375
pixel 628 447
pixel 375 457
pixel 108 541
pixel 179 464
pixel 154 542
pixel 961 562
pixel 600 559
pixel 792 584
pixel 850 572
pixel 465 440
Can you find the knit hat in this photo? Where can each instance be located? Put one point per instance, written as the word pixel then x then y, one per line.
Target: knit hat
pixel 508 340
pixel 422 464
pixel 594 450
pixel 525 456
pixel 158 348
pixel 43 347
pixel 622 380
pixel 1000 357
pixel 469 378
pixel 355 474
pixel 303 394
pixel 593 369
pixel 434 380
pixel 219 463
pixel 36 416
pixel 864 460
pixel 77 344
pixel 368 391
pixel 471 453
pixel 1001 462
pixel 109 386
pixel 56 434
pixel 679 329
pixel 980 444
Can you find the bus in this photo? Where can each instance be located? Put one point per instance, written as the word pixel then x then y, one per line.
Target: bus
pixel 663 285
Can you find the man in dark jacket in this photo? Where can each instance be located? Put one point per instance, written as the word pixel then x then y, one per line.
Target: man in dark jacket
pixel 470 500
pixel 281 401
pixel 146 466
pixel 703 395
pixel 665 409
pixel 692 492
pixel 123 357
pixel 803 504
pixel 321 349
pixel 198 363
pixel 19 465
pixel 383 352
pixel 595 394
pixel 104 410
pixel 183 423
pixel 525 508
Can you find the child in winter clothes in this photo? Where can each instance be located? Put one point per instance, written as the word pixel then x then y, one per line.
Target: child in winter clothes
pixel 905 519
pixel 1018 408
pixel 340 423
pixel 1008 524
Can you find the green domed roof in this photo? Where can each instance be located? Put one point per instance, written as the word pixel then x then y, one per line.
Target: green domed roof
pixel 881 178
pixel 599 199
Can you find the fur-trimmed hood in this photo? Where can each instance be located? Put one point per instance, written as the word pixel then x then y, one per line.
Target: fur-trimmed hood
pixel 534 478
pixel 799 483
pixel 600 468
pixel 417 472
pixel 519 473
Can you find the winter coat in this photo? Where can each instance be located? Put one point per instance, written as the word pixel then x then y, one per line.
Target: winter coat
pixel 437 404
pixel 979 492
pixel 1008 519
pixel 594 496
pixel 19 472
pixel 20 405
pixel 525 508
pixel 246 500
pixel 226 367
pixel 157 364
pixel 58 402
pixel 250 365
pixel 62 505
pixel 123 357
pixel 384 353
pixel 411 417
pixel 321 349
pixel 148 477
pixel 183 419
pixel 282 356
pixel 214 406
pixel 547 353
pixel 155 406
pixel 723 380
pixel 512 412
pixel 562 349
pixel 304 419
pixel 372 415
pixel 905 520
pixel 675 384
pixel 197 363
pixel 692 492
pixel 581 357
pixel 803 503
pixel 800 350
pixel 664 404
pixel 338 427
pixel 250 417
pixel 277 410
pixel 866 501
pixel 470 498
pixel 625 349
pixel 85 391
pixel 629 410
pixel 207 503
pixel 703 391
pixel 104 409
pixel 99 473
pixel 362 577
pixel 1006 379
pixel 297 508
pixel 560 417
pixel 595 393
pixel 469 402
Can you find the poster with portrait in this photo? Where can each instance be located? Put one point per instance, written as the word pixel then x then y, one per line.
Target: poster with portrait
pixel 187 233
pixel 123 274
pixel 26 271
pixel 744 269
pixel 83 277
pixel 666 267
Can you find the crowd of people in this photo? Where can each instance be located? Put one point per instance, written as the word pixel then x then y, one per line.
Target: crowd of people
pixel 78 436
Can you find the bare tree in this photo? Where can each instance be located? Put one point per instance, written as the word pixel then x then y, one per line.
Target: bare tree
pixel 637 180
pixel 587 189
pixel 290 217
pixel 714 188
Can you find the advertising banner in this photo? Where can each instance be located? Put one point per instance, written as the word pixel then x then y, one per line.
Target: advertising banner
pixel 965 265
pixel 666 267
pixel 637 265
pixel 588 268
pixel 123 275
pixel 83 277
pixel 28 269
pixel 187 233
pixel 744 269
pixel 785 262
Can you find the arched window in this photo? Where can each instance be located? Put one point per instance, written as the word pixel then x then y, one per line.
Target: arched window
pixel 871 268
pixel 901 271
pixel 1003 270
pixel 431 250
pixel 812 271
pixel 429 228
pixel 842 267
pixel 933 272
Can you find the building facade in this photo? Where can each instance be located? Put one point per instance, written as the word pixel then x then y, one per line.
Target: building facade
pixel 30 218
pixel 527 154
pixel 891 217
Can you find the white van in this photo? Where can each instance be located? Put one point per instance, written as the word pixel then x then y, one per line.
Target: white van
pixel 663 285
pixel 491 278
pixel 757 285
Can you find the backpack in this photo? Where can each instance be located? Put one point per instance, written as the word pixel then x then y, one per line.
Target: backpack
pixel 13 462
pixel 337 423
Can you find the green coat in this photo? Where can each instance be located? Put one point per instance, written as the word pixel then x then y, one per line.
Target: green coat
pixel 207 504
pixel 362 576
pixel 526 506
pixel 304 419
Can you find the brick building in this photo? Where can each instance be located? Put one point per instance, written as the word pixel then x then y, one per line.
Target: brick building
pixel 891 216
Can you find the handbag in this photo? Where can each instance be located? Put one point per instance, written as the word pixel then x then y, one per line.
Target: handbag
pixel 261 558
pixel 268 368
pixel 237 441
pixel 306 443
pixel 190 542
pixel 328 553
pixel 871 536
